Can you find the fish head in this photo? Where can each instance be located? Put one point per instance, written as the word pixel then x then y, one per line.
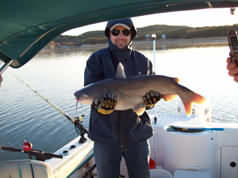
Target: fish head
pixel 83 97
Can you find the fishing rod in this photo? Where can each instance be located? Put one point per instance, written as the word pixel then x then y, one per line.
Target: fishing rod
pixel 77 121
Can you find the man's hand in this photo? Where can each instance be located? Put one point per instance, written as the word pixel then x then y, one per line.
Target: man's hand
pixel 106 104
pixel 151 98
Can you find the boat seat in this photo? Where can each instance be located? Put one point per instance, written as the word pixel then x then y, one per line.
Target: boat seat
pixel 160 173
pixel 25 169
pixel 192 174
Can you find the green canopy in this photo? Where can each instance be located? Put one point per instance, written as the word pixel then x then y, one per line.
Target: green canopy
pixel 28 25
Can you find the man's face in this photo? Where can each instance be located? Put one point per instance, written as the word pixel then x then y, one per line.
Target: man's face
pixel 121 39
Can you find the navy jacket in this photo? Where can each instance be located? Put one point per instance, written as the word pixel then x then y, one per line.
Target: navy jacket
pixel 123 127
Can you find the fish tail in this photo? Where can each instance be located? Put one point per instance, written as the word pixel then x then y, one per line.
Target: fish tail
pixel 193 98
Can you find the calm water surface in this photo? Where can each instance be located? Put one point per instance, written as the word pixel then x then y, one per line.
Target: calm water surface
pixel 24 115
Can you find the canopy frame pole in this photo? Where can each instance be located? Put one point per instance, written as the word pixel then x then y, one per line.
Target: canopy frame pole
pixel 5 66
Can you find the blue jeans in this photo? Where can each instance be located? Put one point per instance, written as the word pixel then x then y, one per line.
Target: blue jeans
pixel 108 158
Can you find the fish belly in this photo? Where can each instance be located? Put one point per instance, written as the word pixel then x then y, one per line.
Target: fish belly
pixel 125 103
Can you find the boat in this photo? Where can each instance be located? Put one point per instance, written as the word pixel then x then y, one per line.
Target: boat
pixel 181 147
pixel 193 147
pixel 75 159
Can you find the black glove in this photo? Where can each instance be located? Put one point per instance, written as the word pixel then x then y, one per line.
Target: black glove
pixel 151 98
pixel 106 104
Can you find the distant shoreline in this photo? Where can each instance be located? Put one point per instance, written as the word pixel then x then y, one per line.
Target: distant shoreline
pixel 167 43
pixel 144 45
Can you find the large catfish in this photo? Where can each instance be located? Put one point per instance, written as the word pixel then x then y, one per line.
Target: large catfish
pixel 129 91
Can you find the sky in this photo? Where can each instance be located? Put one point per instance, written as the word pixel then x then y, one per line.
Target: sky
pixel 194 18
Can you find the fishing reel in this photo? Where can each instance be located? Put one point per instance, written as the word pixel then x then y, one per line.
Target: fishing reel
pixel 79 128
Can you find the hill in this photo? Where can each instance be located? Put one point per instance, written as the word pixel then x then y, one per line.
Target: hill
pixel 165 33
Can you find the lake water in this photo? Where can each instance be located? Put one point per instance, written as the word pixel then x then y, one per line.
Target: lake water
pixel 24 115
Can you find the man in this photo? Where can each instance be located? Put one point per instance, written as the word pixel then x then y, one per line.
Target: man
pixel 119 133
pixel 232 68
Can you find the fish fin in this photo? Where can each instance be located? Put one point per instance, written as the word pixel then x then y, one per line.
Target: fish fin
pixel 196 98
pixel 120 73
pixel 169 97
pixel 139 109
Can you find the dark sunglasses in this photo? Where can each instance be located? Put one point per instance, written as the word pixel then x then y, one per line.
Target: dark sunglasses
pixel 116 32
